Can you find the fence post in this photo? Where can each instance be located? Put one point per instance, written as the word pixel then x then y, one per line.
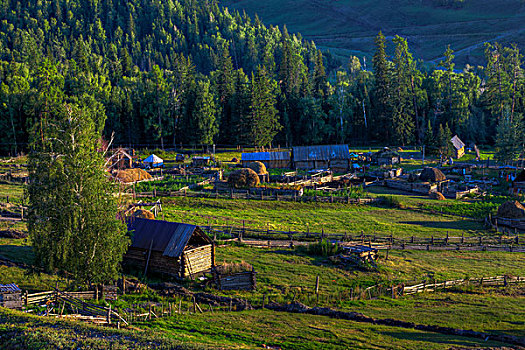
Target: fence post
pixel 109 315
pixel 317 288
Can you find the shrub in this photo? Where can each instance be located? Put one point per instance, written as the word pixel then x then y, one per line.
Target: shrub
pixel 322 248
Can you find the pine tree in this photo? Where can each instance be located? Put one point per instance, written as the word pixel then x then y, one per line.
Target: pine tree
pixel 204 116
pixel 509 137
pixel 262 120
pixel 382 90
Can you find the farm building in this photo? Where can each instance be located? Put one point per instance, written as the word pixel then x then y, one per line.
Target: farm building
pixel 386 157
pixel 335 157
pixel 459 147
pixel 120 159
pixel 10 296
pixel 280 160
pixel 200 161
pixel 169 248
pixel 153 161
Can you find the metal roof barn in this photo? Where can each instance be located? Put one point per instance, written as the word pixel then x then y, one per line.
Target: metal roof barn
pixel 265 156
pixel 326 152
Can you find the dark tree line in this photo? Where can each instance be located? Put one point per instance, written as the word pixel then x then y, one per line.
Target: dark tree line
pixel 185 72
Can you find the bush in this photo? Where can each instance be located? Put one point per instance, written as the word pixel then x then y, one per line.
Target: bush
pixel 243 178
pixel 322 248
pixel 393 202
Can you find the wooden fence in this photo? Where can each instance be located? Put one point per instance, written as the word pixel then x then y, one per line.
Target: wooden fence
pixel 489 242
pixel 247 195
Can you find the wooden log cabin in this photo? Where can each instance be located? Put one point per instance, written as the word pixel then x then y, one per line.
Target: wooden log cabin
pixel 10 296
pixel 169 248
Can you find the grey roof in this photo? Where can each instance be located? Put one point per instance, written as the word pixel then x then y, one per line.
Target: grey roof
pixel 9 288
pixel 458 144
pixel 170 238
pixel 326 152
pixel 265 156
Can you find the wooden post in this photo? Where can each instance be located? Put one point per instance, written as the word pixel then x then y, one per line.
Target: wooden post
pixel 147 261
pixel 149 313
pixel 25 298
pixel 109 315
pixel 317 288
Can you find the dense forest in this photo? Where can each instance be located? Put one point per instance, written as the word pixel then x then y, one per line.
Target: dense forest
pixel 166 73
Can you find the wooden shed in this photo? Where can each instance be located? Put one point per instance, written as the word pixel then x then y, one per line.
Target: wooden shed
pixel 201 161
pixel 335 157
pixel 10 296
pixel 120 159
pixel 386 157
pixel 279 160
pixel 459 147
pixel 169 248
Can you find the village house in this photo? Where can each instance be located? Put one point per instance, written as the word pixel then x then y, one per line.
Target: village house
pixel 459 147
pixel 169 248
pixel 335 157
pixel 275 160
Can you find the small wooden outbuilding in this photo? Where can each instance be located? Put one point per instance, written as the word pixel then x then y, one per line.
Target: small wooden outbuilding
pixel 10 296
pixel 169 248
pixel 201 161
pixel 335 157
pixel 120 159
pixel 459 146
pixel 275 160
pixel 386 157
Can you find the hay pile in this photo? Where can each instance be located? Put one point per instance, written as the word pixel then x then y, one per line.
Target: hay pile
pixel 243 178
pixel 437 195
pixel 432 175
pixel 511 210
pixel 234 160
pixel 258 167
pixel 132 175
pixel 143 214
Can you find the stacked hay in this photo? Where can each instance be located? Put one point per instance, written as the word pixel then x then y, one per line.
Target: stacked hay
pixel 437 195
pixel 143 214
pixel 234 160
pixel 133 175
pixel 511 210
pixel 231 268
pixel 243 178
pixel 432 175
pixel 258 167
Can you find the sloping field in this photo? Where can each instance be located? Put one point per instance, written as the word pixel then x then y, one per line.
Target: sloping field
pixel 348 27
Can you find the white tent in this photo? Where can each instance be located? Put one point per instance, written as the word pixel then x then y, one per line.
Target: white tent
pixel 153 161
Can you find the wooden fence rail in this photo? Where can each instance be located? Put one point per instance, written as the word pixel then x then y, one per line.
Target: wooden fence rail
pixel 249 196
pixel 514 241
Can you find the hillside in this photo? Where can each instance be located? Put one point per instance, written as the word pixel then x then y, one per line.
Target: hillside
pixel 348 27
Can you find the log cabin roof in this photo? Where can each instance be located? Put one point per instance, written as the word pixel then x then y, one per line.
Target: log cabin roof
pixel 170 238
pixel 9 288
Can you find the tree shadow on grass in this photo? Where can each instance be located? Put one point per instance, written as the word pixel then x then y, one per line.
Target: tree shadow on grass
pixel 17 253
pixel 452 225
pixel 441 339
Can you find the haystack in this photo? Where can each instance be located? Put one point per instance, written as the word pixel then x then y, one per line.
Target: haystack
pixel 133 175
pixel 235 160
pixel 437 195
pixel 258 167
pixel 143 214
pixel 243 178
pixel 511 210
pixel 432 175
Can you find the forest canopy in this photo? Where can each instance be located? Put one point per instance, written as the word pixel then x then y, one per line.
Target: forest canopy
pixel 185 72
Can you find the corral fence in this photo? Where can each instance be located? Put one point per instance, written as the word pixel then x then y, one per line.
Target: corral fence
pixel 442 242
pixel 247 195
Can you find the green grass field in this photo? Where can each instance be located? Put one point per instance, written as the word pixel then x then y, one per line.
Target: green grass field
pixel 371 219
pixel 349 27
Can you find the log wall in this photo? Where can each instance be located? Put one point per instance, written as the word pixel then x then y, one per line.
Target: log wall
pixel 157 263
pixel 198 260
pixel 242 280
pixel 11 300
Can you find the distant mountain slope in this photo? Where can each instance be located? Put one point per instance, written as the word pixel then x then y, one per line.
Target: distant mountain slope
pixel 348 27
